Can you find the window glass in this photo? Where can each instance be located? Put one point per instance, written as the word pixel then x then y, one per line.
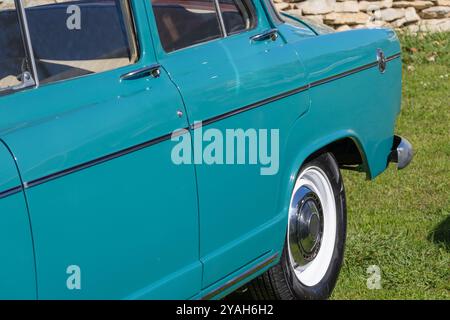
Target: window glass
pixel 13 60
pixel 238 15
pixel 183 23
pixel 76 38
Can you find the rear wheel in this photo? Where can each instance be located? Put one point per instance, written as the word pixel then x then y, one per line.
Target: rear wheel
pixel 314 248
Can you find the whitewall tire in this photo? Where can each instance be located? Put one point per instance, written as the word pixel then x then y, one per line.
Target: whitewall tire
pixel 315 241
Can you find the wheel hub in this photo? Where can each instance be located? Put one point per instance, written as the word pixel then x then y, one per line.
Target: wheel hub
pixel 306 227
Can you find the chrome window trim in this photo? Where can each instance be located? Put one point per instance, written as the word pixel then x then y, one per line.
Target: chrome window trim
pixel 119 69
pixel 26 36
pixel 220 17
pixel 29 80
pixel 130 28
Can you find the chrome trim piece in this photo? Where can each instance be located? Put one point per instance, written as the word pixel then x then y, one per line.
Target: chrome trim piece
pixel 241 277
pixel 130 30
pixel 27 39
pixel 402 152
pixel 271 34
pixel 305 227
pixel 194 126
pixel 220 17
pixel 10 192
pixel 381 59
pixel 152 70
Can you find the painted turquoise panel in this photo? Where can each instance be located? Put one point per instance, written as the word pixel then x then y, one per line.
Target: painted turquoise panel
pixel 239 220
pixel 130 224
pixel 101 121
pixel 367 102
pixel 17 272
pixel 237 204
pixel 334 53
pixel 224 283
pixel 368 121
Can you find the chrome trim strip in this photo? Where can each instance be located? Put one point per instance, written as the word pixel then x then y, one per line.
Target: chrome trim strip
pixel 10 192
pixel 220 17
pixel 240 277
pixel 192 127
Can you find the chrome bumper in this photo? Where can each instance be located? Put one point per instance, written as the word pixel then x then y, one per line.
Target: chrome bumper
pixel 402 152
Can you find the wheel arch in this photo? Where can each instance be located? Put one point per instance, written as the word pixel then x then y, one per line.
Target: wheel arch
pixel 339 143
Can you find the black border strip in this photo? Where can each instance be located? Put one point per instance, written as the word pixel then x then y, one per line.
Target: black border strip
pixel 103 159
pixel 393 57
pixel 193 126
pixel 252 106
pixel 343 74
pixel 241 277
pixel 10 192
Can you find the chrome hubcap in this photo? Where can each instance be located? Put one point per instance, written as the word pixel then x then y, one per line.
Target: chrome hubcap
pixel 306 228
pixel 311 226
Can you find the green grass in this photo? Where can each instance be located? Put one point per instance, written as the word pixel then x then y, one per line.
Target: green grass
pixel 401 220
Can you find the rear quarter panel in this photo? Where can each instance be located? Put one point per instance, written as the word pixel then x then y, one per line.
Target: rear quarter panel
pixel 362 106
pixel 365 103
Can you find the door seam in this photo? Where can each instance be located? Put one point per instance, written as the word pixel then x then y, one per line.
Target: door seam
pixel 22 185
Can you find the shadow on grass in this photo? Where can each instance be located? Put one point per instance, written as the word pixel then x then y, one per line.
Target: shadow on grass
pixel 441 234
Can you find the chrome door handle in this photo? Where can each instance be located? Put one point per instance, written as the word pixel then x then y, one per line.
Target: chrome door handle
pixel 152 70
pixel 271 34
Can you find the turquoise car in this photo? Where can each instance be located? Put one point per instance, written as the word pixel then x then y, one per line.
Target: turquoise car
pixel 182 149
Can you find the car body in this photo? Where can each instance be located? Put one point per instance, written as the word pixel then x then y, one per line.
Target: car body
pixel 86 176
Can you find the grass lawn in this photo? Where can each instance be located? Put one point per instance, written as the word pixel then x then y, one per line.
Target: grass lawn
pixel 401 220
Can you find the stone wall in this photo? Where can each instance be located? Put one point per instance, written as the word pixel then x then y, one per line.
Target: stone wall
pixel 412 15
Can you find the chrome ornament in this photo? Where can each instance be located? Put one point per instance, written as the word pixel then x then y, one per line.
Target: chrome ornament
pixel 381 58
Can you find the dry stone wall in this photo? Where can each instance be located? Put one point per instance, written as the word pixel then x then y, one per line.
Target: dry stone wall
pixel 412 15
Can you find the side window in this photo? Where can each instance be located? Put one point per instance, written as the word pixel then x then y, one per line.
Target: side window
pixel 14 63
pixel 238 15
pixel 76 38
pixel 183 23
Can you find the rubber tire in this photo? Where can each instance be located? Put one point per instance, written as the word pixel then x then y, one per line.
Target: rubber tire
pixel 279 283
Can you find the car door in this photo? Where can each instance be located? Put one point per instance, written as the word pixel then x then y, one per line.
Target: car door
pixel 112 216
pixel 234 71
